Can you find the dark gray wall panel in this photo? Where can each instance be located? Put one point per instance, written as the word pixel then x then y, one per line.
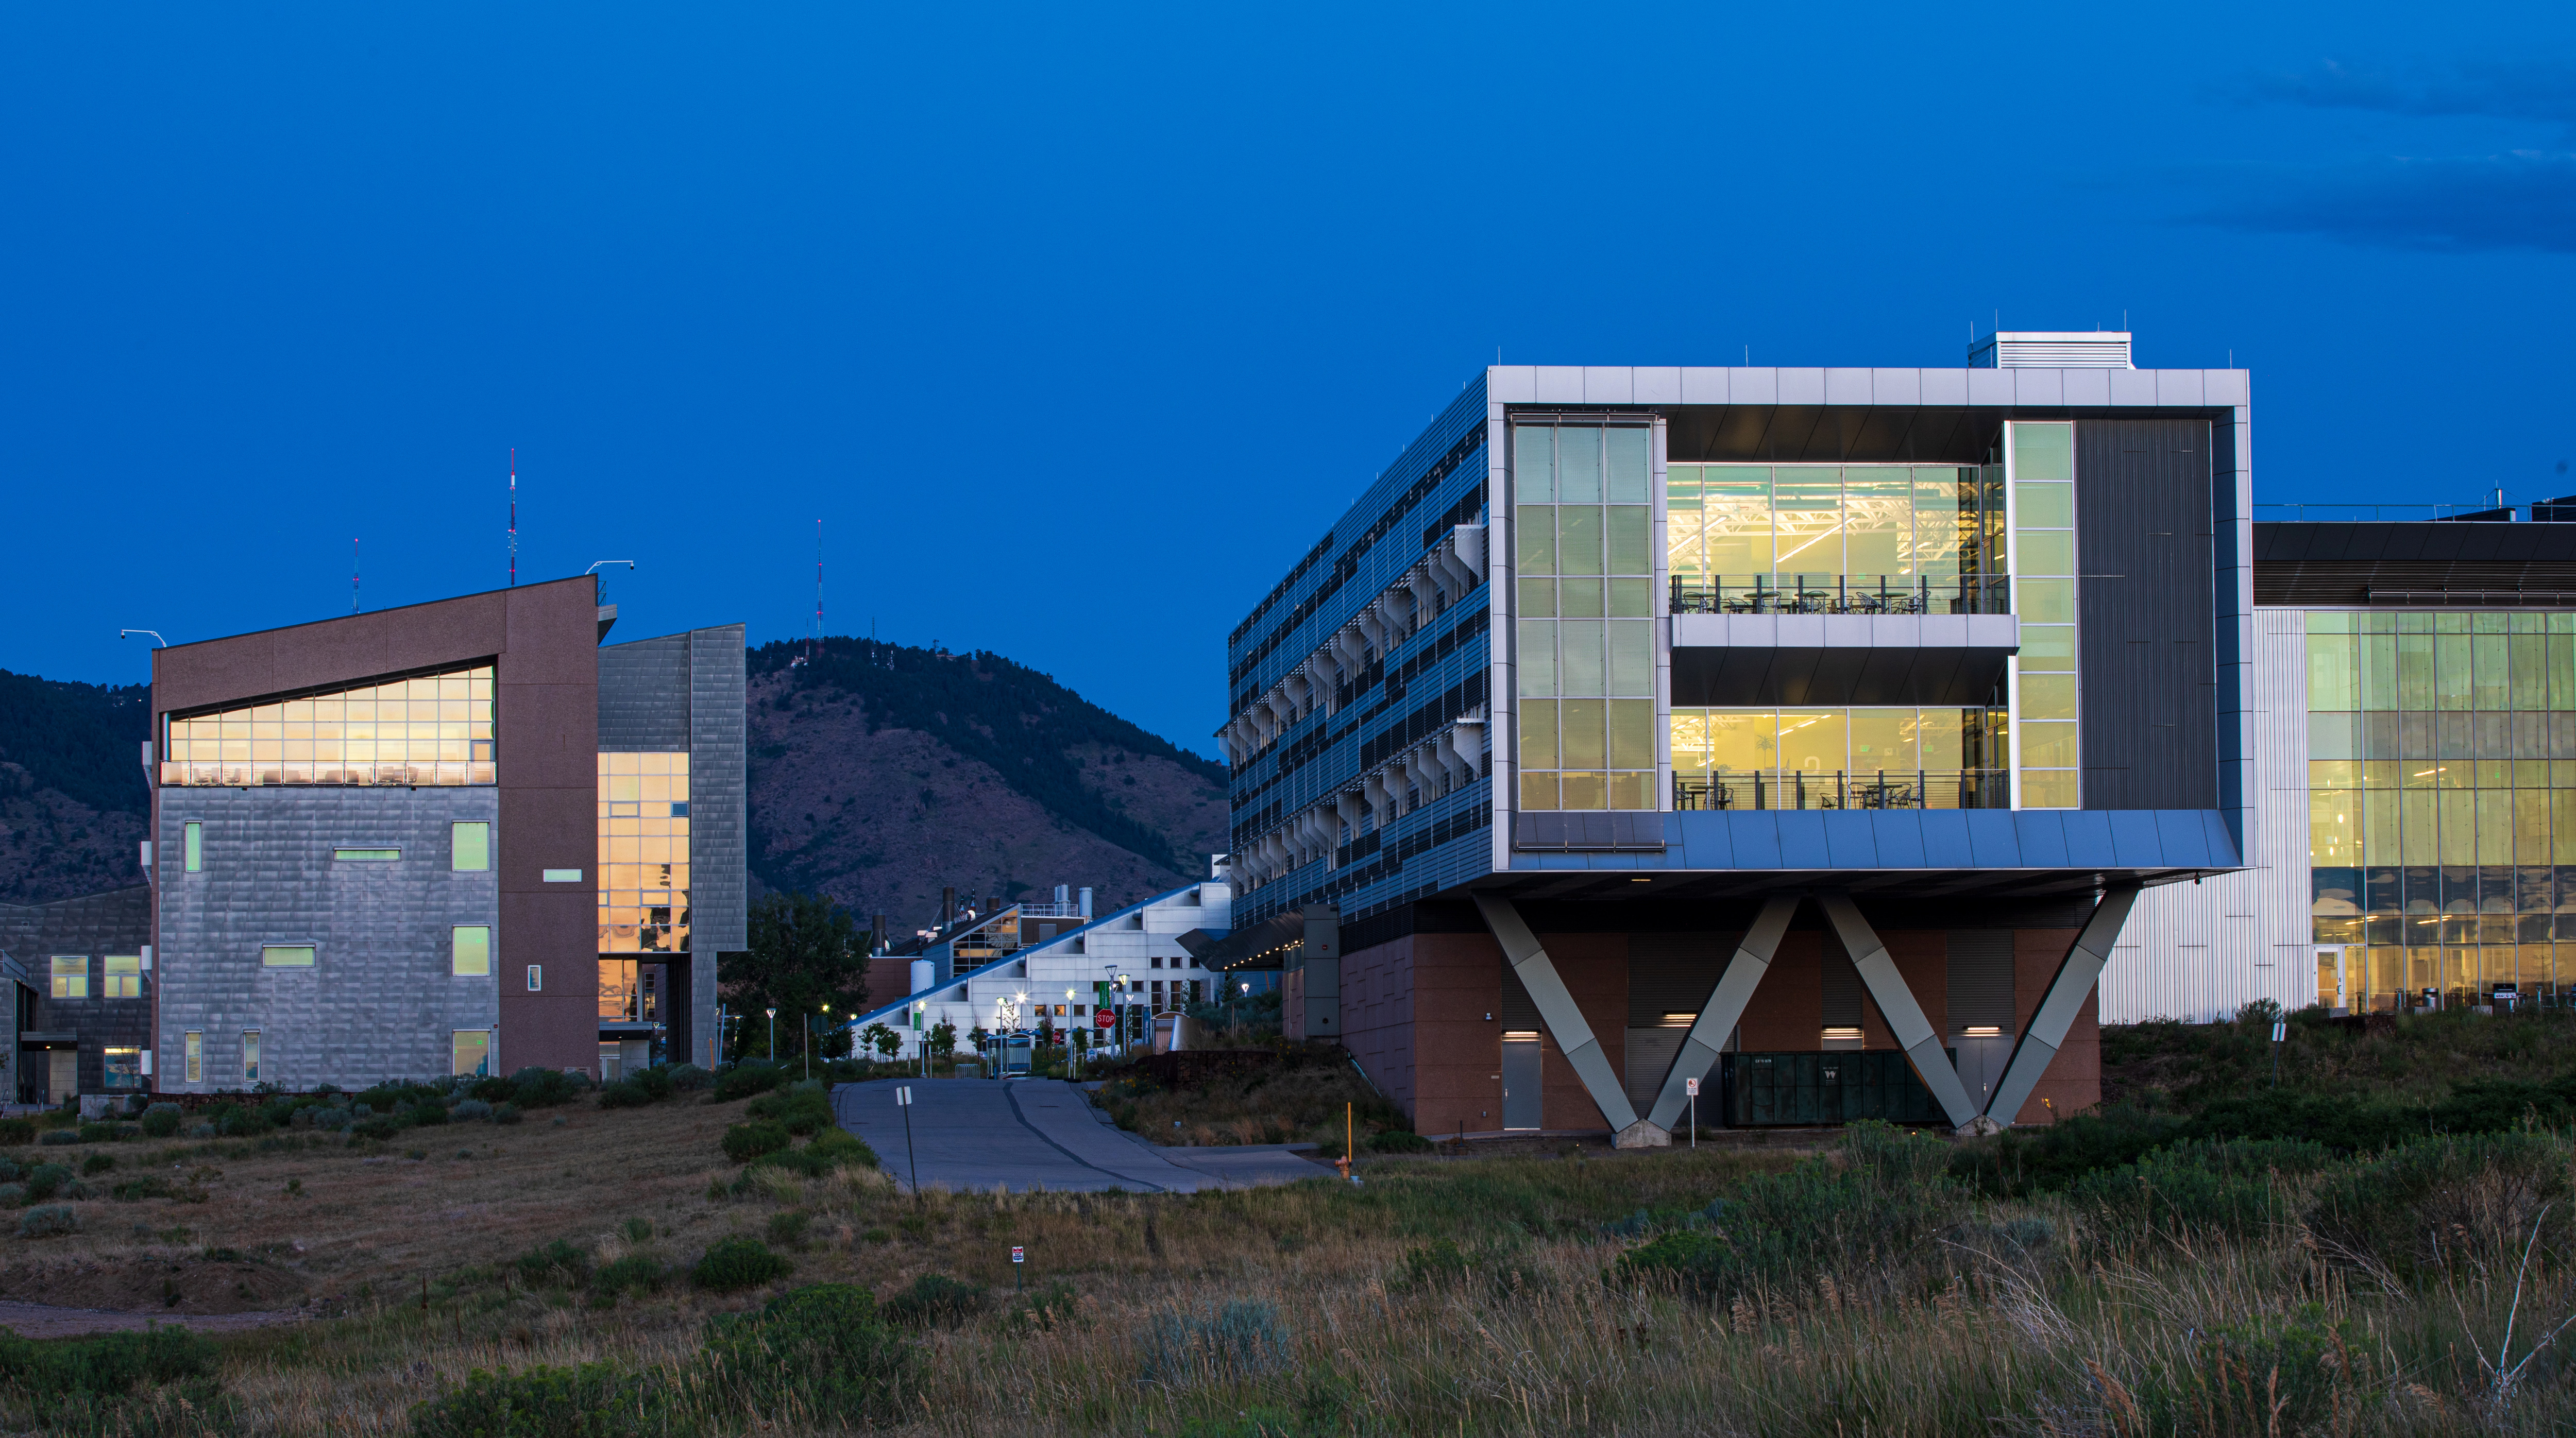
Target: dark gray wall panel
pixel 2144 542
pixel 644 695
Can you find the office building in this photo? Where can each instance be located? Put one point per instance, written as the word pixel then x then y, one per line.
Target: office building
pixel 457 837
pixel 2414 757
pixel 76 970
pixel 1810 732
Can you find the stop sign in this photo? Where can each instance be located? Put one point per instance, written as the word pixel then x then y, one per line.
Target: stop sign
pixel 1104 1019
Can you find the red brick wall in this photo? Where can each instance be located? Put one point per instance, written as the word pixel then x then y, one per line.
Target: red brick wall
pixel 1787 1010
pixel 1455 1073
pixel 1595 970
pixel 2073 1082
pixel 1377 1016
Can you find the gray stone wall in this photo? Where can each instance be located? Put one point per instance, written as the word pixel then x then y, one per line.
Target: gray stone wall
pixel 718 820
pixel 379 1002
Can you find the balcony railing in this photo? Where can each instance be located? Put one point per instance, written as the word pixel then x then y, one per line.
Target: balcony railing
pixel 1841 594
pixel 1869 789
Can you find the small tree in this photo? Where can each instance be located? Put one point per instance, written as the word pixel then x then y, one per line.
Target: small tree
pixel 943 1039
pixel 885 1040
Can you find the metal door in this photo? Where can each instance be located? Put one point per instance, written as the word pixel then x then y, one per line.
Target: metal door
pixel 1523 1071
pixel 62 1074
pixel 2330 979
pixel 1981 1066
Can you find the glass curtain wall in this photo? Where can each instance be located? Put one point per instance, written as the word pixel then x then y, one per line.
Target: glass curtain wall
pixel 2442 803
pixel 643 853
pixel 1586 640
pixel 429 729
pixel 1833 539
pixel 1863 758
pixel 2043 566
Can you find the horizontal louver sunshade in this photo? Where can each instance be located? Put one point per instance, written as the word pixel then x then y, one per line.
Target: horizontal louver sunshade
pixel 2106 350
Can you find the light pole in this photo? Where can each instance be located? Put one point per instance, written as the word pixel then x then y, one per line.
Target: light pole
pixel 1123 1006
pixel 773 1035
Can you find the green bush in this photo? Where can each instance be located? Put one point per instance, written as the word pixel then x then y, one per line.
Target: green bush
pixel 654 1081
pixel 1877 1207
pixel 68 1378
pixel 534 1087
pixel 1396 1140
pixel 45 1180
pixel 17 1130
pixel 50 1221
pixel 822 1350
pixel 2198 1186
pixel 935 1298
pixel 787 1229
pixel 636 1272
pixel 689 1078
pixel 2273 1374
pixel 736 1263
pixel 624 1095
pixel 801 1113
pixel 506 1113
pixel 595 1400
pixel 557 1262
pixel 2437 1202
pixel 58 1138
pixel 744 1142
pixel 745 1079
pixel 843 1147
pixel 162 1120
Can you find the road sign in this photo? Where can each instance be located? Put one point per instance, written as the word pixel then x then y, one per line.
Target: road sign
pixel 1691 1087
pixel 1019 1254
pixel 2280 1032
pixel 1104 1019
pixel 903 1096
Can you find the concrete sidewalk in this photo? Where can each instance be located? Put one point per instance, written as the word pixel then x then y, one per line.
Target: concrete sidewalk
pixel 1028 1135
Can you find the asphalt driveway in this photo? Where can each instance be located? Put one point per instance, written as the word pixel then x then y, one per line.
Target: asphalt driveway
pixel 1039 1134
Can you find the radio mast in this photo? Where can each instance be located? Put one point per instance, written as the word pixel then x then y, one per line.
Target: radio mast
pixel 514 518
pixel 353 576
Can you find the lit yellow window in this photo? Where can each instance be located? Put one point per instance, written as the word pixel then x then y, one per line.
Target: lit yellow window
pixel 470 952
pixel 124 973
pixel 71 976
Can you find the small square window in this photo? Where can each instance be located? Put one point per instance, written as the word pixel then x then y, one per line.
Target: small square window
pixel 470 1052
pixel 469 847
pixel 286 956
pixel 536 978
pixel 470 952
pixel 71 976
pixel 124 973
pixel 124 1068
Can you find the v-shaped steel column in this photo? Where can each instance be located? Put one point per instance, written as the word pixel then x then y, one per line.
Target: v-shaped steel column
pixel 1557 1010
pixel 1896 1004
pixel 2064 1000
pixel 1725 1007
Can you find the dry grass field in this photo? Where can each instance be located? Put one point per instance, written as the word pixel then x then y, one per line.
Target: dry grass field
pixel 1732 1290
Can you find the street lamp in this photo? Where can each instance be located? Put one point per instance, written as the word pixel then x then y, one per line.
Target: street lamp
pixel 773 1035
pixel 1123 986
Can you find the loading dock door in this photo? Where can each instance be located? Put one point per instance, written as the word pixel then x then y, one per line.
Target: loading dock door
pixel 1523 1072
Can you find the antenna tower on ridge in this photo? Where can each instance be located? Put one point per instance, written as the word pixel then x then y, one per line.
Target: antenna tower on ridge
pixel 514 518
pixel 353 576
pixel 816 647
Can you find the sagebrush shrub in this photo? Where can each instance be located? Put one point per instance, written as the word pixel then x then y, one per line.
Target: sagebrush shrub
pixel 45 1180
pixel 822 1348
pixel 50 1221
pixel 556 1262
pixel 935 1298
pixel 744 1142
pixel 624 1095
pixel 689 1078
pixel 636 1272
pixel 2226 1187
pixel 736 1263
pixel 506 1113
pixel 58 1138
pixel 594 1400
pixel 746 1079
pixel 69 1378
pixel 2428 1205
pixel 1243 1339
pixel 162 1120
pixel 470 1109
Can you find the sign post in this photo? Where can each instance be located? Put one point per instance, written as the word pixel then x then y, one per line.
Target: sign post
pixel 1691 1086
pixel 903 1100
pixel 2280 1031
pixel 1019 1257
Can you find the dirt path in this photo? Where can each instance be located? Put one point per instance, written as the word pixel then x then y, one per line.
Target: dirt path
pixel 43 1320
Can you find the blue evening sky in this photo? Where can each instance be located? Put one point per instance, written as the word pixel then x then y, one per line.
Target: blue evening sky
pixel 1077 325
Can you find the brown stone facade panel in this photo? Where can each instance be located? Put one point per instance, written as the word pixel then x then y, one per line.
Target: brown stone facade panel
pixel 1923 961
pixel 1595 970
pixel 1787 1010
pixel 560 933
pixel 1457 1045
pixel 548 734
pixel 362 646
pixel 2073 1082
pixel 1377 1016
pixel 551 1031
